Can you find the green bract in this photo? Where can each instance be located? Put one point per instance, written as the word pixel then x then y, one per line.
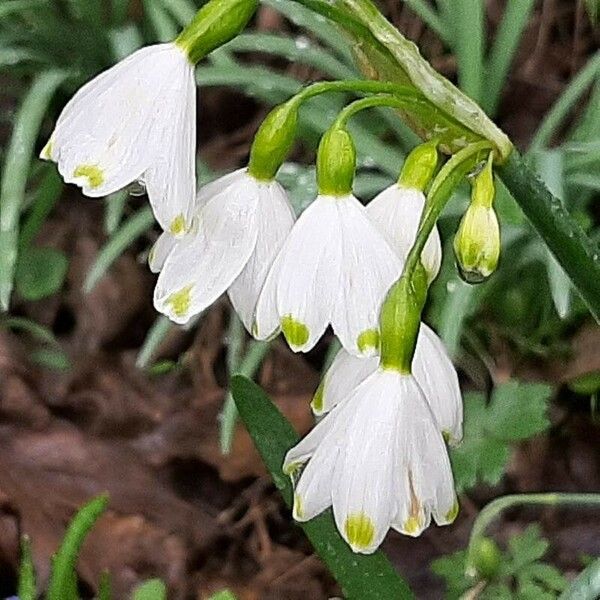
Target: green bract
pixel 217 22
pixel 383 53
pixel 273 141
pixel 336 163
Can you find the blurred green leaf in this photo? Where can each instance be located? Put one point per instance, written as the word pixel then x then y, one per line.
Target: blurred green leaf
pixel 129 231
pixel 16 169
pixel 40 272
pixel 516 411
pixel 154 338
pixel 63 566
pixel 586 585
pixel 154 589
pixel 520 567
pixel 104 587
pixel 586 384
pixel 50 358
pixel 506 42
pixel 26 589
pixel 362 577
pixel 223 595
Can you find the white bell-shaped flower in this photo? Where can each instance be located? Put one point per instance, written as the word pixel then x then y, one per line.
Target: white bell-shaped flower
pixel 135 121
pixel 431 367
pixel 240 226
pixel 397 211
pixel 379 460
pixel 334 268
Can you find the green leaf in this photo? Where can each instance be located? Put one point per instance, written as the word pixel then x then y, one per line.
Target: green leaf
pixel 362 577
pixel 586 585
pixel 515 18
pixel 16 170
pixel 63 567
pixel 154 338
pixel 129 231
pixel 518 410
pixel 26 589
pixel 515 412
pixel 469 41
pixel 40 272
pixel 526 548
pixel 104 587
pixel 154 589
pixel 51 358
pixel 223 595
pixel 451 568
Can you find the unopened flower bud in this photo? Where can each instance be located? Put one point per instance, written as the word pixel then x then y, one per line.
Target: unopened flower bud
pixel 336 163
pixel 217 22
pixel 486 559
pixel 419 166
pixel 273 141
pixel 477 241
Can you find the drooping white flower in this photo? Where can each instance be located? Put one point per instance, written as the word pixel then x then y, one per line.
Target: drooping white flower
pixel 241 225
pixel 432 368
pixel 397 211
pixel 134 122
pixel 334 268
pixel 379 460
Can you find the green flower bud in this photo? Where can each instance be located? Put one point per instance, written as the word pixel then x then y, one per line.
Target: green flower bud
pixel 486 558
pixel 217 22
pixel 419 166
pixel 336 163
pixel 477 241
pixel 400 319
pixel 273 141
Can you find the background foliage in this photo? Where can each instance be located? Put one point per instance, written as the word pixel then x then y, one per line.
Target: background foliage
pixel 68 313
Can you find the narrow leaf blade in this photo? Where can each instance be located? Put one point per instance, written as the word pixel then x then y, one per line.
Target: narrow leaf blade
pixel 362 577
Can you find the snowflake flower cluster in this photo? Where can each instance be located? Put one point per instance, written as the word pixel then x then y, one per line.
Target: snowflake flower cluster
pixel 390 401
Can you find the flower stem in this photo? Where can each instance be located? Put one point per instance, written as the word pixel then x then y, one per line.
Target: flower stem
pixel 576 253
pixel 491 511
pixel 361 86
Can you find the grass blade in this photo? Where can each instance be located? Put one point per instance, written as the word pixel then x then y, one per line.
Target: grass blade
pixel 16 170
pixel 572 93
pixel 431 18
pixel 248 367
pixel 104 587
pixel 515 18
pixel 63 567
pixel 26 588
pixel 133 228
pixel 362 577
pixel 469 39
pixel 154 589
pixel 154 338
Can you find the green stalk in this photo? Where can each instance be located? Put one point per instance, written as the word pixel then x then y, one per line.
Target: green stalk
pixel 494 508
pixel 16 170
pixel 576 253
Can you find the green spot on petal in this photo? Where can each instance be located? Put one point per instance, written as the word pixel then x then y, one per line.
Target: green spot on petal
pixel 295 333
pixel 368 340
pixel 180 301
pixel 177 226
pixel 412 525
pixel 93 173
pixel 360 530
pixel 452 513
pixel 298 507
pixel 47 150
pixel 318 399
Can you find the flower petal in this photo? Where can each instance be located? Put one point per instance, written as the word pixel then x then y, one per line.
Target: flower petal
pixel 204 264
pixel 396 211
pixel 275 218
pixel 369 268
pixel 363 481
pixel 426 464
pixel 160 251
pixel 303 282
pixel 171 178
pixel 437 376
pixel 102 140
pixel 345 373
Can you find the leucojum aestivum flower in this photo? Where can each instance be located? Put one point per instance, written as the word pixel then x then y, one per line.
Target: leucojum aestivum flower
pixel 390 402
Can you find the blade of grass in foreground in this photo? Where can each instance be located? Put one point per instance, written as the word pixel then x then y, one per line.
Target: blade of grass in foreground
pixel 16 170
pixel 362 577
